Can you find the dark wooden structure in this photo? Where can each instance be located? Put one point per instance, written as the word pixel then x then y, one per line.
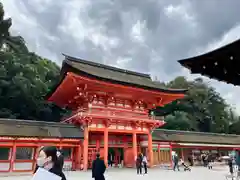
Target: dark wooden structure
pixel 221 64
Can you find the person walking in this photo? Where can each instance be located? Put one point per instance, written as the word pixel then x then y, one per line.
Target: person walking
pixel 98 168
pixel 145 164
pixel 175 162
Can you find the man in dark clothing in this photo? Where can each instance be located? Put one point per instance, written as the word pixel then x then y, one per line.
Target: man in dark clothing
pixel 139 164
pixel 60 158
pixel 190 160
pixel 98 168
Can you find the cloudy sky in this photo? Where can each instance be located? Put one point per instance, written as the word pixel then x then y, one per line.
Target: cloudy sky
pixel 142 35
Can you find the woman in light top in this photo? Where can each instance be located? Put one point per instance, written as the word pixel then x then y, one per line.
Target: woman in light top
pixel 145 164
pixel 49 160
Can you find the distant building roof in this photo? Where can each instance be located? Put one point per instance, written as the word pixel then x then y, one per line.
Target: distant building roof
pixel 112 74
pixel 221 64
pixel 31 128
pixel 195 137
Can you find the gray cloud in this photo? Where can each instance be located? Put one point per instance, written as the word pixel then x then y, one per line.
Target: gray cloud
pixel 142 35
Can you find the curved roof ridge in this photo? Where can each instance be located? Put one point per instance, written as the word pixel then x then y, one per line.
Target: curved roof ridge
pixel 92 63
pixel 225 47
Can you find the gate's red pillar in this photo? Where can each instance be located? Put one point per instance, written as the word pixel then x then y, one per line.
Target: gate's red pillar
pixel 98 145
pixel 85 149
pixel 106 146
pixel 150 150
pixel 134 146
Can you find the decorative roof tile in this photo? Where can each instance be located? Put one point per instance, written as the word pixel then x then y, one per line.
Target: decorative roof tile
pixel 194 137
pixel 113 74
pixel 32 128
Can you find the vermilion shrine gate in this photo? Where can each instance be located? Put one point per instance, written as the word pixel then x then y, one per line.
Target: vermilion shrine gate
pixel 112 106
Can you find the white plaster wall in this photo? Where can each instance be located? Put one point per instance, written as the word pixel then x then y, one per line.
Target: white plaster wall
pixel 144 143
pixel 67 165
pixel 4 166
pixel 22 166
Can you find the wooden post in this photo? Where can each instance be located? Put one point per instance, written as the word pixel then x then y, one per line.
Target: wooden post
pixel 85 148
pixel 159 159
pixel 134 146
pixel 150 149
pixel 12 156
pixel 182 153
pixel 106 146
pixel 171 160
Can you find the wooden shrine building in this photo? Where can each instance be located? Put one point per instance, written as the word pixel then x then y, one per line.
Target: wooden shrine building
pixel 21 139
pixel 221 64
pixel 112 106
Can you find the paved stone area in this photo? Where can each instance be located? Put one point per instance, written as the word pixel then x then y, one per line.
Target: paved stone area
pixel 197 173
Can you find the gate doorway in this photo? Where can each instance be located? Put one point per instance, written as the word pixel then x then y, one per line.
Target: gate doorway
pixel 115 157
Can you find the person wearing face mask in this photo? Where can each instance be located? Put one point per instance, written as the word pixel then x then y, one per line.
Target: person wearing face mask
pixel 48 160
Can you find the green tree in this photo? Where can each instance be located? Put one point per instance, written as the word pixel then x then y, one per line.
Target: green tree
pixel 7 41
pixel 179 121
pixel 205 108
pixel 25 81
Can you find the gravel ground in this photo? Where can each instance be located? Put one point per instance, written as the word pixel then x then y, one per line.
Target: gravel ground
pixel 198 173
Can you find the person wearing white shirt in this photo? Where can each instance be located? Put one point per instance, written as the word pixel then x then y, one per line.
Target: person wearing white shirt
pixel 145 163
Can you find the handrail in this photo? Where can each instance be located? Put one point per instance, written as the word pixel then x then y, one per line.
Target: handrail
pixel 103 115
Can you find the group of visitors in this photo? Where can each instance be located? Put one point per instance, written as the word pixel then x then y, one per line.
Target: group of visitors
pixel 141 162
pixel 52 160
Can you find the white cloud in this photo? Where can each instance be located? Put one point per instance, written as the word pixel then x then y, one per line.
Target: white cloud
pixel 228 37
pixel 136 32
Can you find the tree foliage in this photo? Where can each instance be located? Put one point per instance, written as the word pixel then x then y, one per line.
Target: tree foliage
pixel 25 79
pixel 203 109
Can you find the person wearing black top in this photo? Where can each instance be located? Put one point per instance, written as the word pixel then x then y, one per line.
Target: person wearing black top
pixel 49 160
pixel 98 168
pixel 139 162
pixel 60 158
